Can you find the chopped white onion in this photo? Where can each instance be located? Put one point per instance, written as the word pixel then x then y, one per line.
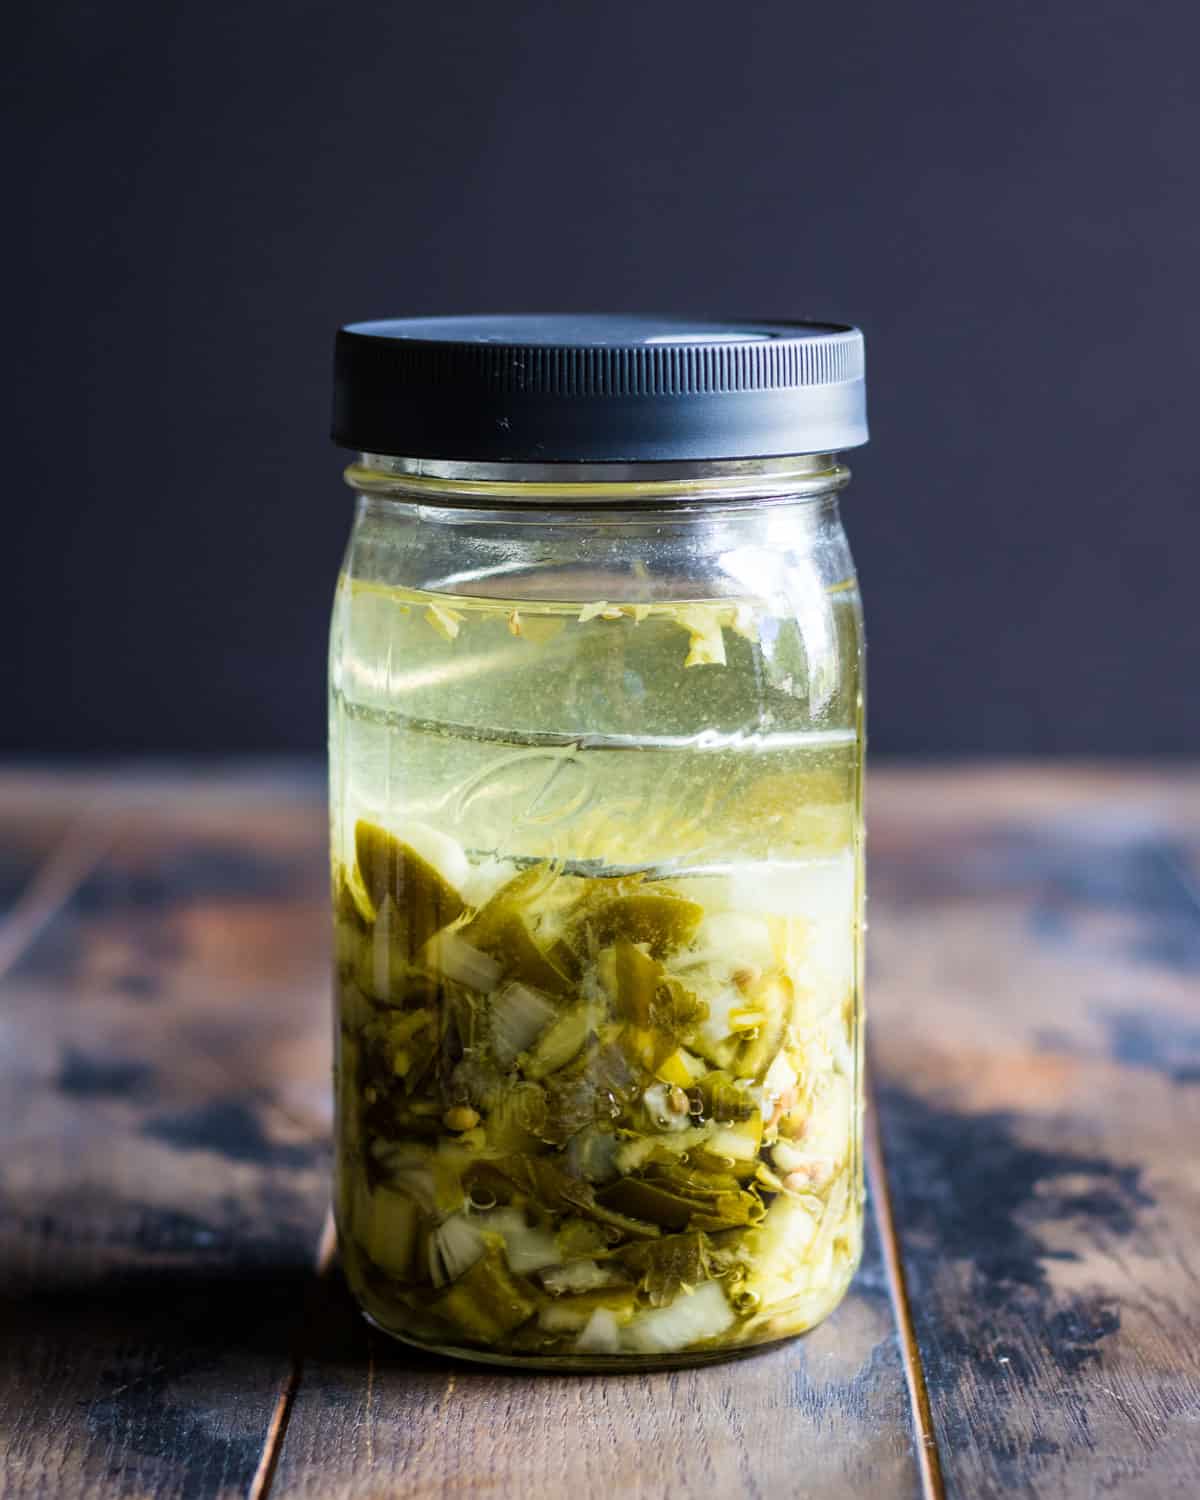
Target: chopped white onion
pixel 691 1318
pixel 457 959
pixel 526 1249
pixel 454 1247
pixel 519 1016
pixel 601 1335
pixel 579 1276
pixel 735 941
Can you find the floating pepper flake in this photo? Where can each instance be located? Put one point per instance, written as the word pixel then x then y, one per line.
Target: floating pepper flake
pixel 445 621
pixel 707 647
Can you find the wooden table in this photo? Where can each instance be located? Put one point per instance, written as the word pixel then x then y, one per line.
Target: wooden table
pixel 1027 1319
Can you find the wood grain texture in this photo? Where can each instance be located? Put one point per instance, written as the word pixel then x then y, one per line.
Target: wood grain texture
pixel 1035 987
pixel 1035 996
pixel 163 1127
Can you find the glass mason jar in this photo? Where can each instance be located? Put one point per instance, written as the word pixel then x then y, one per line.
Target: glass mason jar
pixel 596 748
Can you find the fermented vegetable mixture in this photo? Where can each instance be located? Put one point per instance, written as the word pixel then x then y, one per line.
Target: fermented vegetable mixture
pixel 587 1115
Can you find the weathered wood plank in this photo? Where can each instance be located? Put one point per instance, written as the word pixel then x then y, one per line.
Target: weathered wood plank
pixel 824 1416
pixel 163 1122
pixel 1035 986
pixel 1034 949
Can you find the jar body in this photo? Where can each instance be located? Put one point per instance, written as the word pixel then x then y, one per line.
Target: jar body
pixel 596 782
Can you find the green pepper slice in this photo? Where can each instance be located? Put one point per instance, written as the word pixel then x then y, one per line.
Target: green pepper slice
pixel 637 977
pixel 501 930
pixel 664 921
pixel 424 901
pixel 664 1267
pixel 638 1198
pixel 488 1301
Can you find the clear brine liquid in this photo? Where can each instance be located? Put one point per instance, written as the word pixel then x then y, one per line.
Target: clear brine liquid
pixel 592 741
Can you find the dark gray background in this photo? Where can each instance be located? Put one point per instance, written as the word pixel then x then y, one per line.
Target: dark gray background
pixel 1003 195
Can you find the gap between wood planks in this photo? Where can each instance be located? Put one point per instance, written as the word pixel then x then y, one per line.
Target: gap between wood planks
pixel 260 1485
pixel 924 1436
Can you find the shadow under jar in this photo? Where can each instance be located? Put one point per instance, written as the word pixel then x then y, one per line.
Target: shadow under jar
pixel 596 748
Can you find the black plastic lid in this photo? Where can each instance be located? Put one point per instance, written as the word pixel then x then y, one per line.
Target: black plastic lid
pixel 596 389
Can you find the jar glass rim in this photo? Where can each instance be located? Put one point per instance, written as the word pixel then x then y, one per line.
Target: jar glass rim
pixel 596 484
